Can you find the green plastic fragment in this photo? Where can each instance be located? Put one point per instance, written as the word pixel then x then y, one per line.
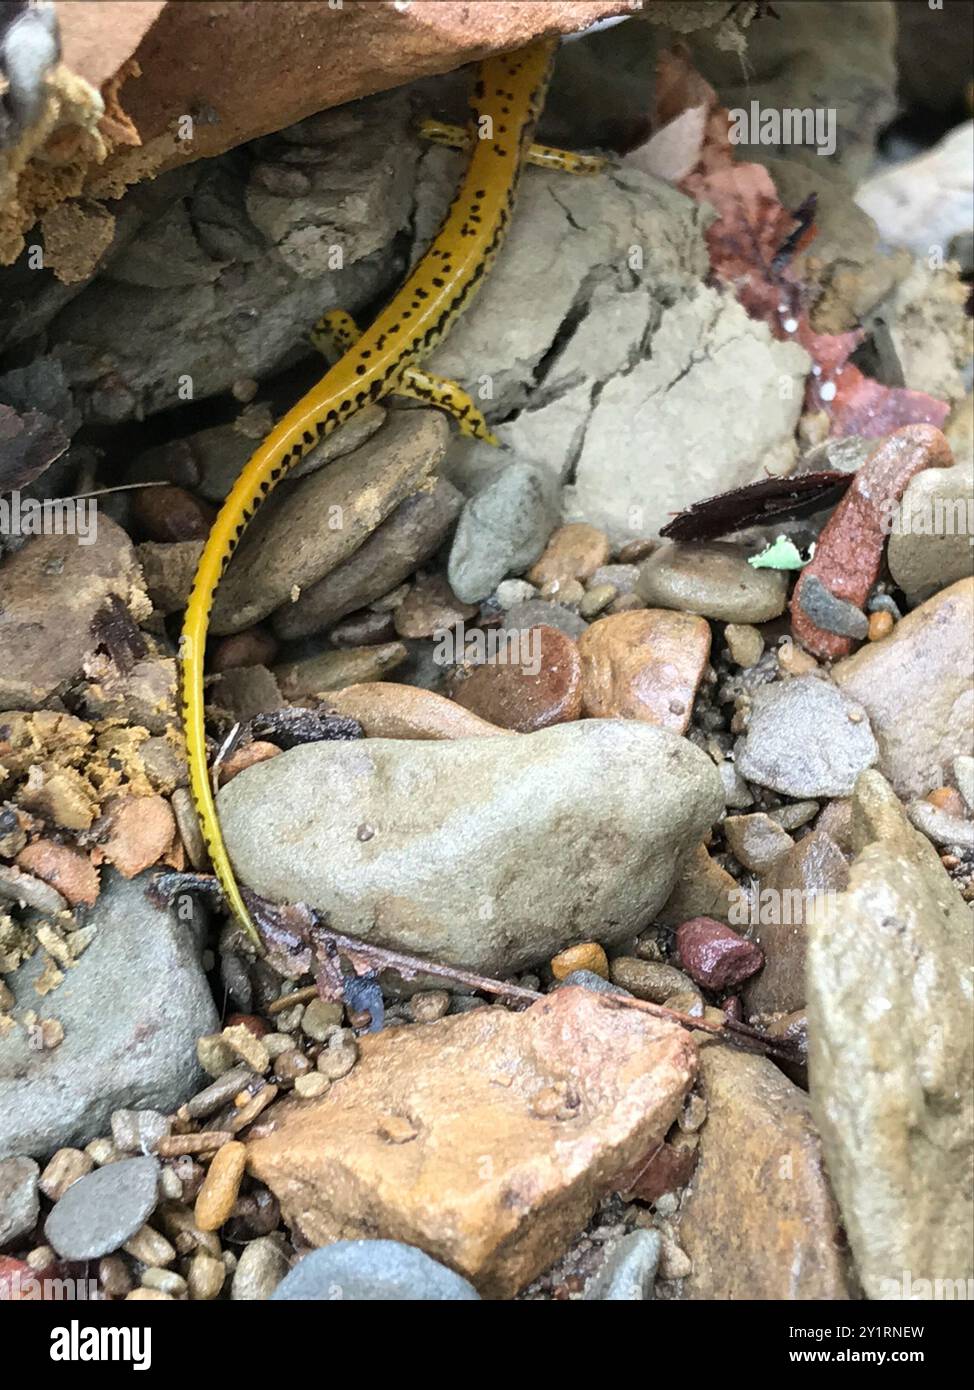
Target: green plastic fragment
pixel 782 554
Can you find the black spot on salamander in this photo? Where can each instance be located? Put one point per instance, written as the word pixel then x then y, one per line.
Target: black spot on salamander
pixel 308 437
pixel 438 282
pixel 345 405
pixel 361 369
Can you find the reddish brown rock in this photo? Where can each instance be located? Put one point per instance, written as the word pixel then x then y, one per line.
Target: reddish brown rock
pixel 387 710
pixel 141 832
pixel 714 956
pixel 515 695
pixel 573 552
pixel 253 647
pixel 850 548
pixel 167 514
pixel 247 756
pixel 430 606
pixel 666 1168
pixel 522 1121
pixel 205 55
pixel 759 1220
pixel 644 665
pixel 64 868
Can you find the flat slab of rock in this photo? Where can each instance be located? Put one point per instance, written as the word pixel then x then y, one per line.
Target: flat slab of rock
pixel 325 517
pixel 132 1009
pixel 574 832
pixel 805 738
pixel 890 1054
pixel 393 552
pixel 522 1121
pixel 712 580
pixel 759 1220
pixel 917 686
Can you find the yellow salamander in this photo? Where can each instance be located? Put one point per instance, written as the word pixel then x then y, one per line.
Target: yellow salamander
pixel 507 100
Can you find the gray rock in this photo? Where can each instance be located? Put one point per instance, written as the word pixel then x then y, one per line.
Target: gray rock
pixel 649 450
pixel 833 614
pixel 393 552
pixel 890 1054
pixel 373 1271
pixel 587 979
pixel 940 826
pixel 963 768
pixel 629 1272
pixel 930 546
pixel 917 686
pixel 242 270
pixel 501 531
pixel 805 738
pixel 132 1009
pixel 104 1209
pixel 713 580
pixel 574 832
pixel 308 529
pixel 19 1202
pixel 511 592
pixel 538 611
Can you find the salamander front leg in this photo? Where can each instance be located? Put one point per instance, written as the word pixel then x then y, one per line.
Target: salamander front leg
pixel 458 137
pixel 336 332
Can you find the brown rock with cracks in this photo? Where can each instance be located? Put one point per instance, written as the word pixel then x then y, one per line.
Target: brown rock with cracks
pixel 759 1220
pixel 850 549
pixel 517 697
pixel 499 1178
pixel 644 665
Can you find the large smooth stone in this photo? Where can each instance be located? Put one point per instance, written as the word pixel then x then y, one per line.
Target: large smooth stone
pixel 487 853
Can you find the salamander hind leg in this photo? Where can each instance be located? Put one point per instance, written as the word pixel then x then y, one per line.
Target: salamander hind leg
pixel 420 385
pixel 334 333
pixel 458 137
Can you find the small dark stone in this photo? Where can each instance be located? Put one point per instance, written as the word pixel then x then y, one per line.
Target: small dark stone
pixel 830 613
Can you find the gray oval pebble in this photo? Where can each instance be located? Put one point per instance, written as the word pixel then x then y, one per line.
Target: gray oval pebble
pixel 373 1271
pixel 629 1271
pixel 104 1209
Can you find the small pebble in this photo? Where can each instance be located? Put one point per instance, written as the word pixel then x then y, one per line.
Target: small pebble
pixel 587 955
pixel 220 1186
pixel 138 1131
pixel 101 1211
pixel 166 1281
pixel 249 1049
pixel 947 799
pixel 261 1267
pixel 650 980
pixel 428 1005
pixel 212 1098
pixel 65 1167
pixel 880 625
pixel 596 599
pixel 150 1247
pixel 320 1018
pixel 204 1277
pixel 340 1055
pixel 629 1271
pixel 714 955
pixel 143 1295
pixel 745 644
pixel 291 1064
pixel 19 1203
pixel 114 1277
pixel 312 1085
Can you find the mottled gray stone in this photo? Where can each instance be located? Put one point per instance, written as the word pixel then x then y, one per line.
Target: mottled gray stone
pixel 383 1271
pixel 629 1271
pixel 104 1209
pixel 502 530
pixel 19 1203
pixel 805 738
pixel 713 580
pixel 132 1009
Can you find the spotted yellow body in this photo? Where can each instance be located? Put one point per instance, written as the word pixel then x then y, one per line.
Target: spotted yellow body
pixel 382 360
